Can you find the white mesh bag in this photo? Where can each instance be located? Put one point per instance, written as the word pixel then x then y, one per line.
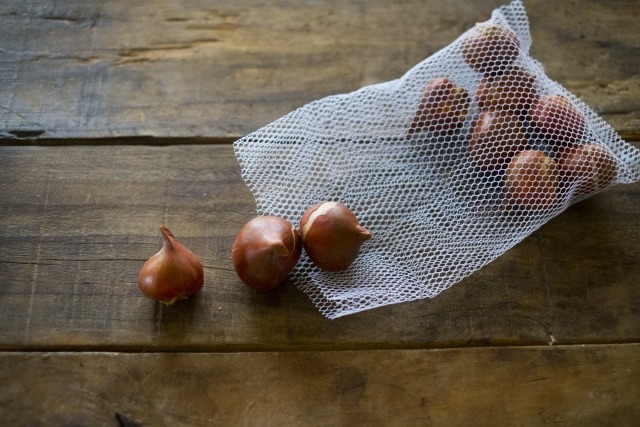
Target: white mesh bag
pixel 448 166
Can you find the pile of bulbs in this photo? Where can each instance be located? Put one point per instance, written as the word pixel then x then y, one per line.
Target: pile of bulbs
pixel 264 253
pixel 537 143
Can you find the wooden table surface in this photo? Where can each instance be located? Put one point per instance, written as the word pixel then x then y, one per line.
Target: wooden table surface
pixel 118 116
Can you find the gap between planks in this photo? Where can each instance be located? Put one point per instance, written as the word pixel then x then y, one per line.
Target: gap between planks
pixel 21 139
pixel 316 348
pixel 146 140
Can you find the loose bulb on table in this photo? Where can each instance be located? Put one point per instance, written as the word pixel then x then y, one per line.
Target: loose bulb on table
pixel 172 274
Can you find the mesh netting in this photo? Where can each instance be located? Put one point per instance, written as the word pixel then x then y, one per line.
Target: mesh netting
pixel 449 166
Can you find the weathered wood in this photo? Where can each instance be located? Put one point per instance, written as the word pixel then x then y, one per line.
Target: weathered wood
pixel 511 386
pixel 80 345
pixel 77 223
pixel 85 69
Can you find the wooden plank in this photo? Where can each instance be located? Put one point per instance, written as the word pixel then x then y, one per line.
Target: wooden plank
pixel 88 69
pixel 511 386
pixel 77 223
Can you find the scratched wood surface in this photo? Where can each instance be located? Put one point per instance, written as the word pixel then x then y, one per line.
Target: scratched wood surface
pixel 85 69
pixel 78 223
pixel 510 386
pixel 117 117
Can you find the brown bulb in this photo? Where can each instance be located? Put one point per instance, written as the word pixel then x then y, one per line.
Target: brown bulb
pixel 443 108
pixel 173 274
pixel 558 121
pixel 332 236
pixel 588 168
pixel 265 252
pixel 490 48
pixel 497 136
pixel 531 181
pixel 513 90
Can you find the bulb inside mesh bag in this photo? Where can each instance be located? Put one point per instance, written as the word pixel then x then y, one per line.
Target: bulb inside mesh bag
pixel 448 166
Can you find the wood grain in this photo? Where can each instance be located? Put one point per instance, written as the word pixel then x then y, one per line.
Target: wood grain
pixel 511 386
pixel 77 223
pixel 190 71
pixel 116 117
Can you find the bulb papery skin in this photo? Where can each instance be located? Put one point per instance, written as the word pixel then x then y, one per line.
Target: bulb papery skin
pixel 480 44
pixel 557 120
pixel 531 181
pixel 588 168
pixel 265 252
pixel 332 236
pixel 174 273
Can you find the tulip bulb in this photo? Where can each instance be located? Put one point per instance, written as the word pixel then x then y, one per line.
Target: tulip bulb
pixel 531 181
pixel 589 167
pixel 332 236
pixel 265 251
pixel 172 274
